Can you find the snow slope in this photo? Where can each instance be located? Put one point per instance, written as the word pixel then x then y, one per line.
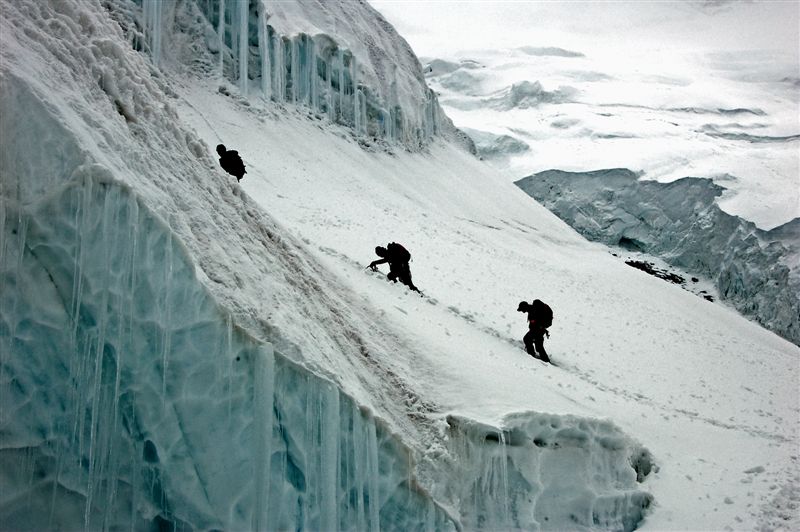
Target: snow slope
pixel 661 406
pixel 708 393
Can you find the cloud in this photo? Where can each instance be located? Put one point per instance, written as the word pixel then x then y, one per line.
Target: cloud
pixel 718 6
pixel 549 51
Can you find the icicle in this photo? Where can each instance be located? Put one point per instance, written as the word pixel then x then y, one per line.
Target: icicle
pixel 244 47
pixel 504 478
pixel 152 23
pixel 309 445
pixel 311 73
pixel 360 458
pixel 295 69
pixel 341 85
pixel 329 91
pixel 282 72
pixel 166 314
pixel 373 475
pixel 229 362
pixel 329 457
pixel 234 33
pixel 262 411
pixel 263 50
pixel 357 122
pixel 221 34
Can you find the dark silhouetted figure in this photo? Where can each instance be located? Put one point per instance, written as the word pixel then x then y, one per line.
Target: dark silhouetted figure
pixel 540 317
pixel 397 256
pixel 230 161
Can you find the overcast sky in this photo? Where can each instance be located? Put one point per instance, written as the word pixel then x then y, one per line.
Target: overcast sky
pixel 439 28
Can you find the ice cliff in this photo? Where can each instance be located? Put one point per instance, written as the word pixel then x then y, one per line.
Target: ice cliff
pixel 339 59
pixel 161 365
pixel 754 270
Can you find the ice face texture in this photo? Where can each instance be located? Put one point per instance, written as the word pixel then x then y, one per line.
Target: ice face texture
pixel 129 396
pixel 754 270
pixel 341 60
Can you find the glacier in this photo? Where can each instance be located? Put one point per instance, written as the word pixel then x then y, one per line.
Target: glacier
pixel 181 351
pixel 493 146
pixel 307 53
pixel 754 270
pixel 153 375
pixel 131 400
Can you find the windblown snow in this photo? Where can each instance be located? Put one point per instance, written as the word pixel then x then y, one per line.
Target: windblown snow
pixel 179 350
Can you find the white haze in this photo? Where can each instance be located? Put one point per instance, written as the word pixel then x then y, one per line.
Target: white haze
pixel 632 70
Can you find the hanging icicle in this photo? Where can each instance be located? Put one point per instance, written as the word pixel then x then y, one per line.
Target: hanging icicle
pixel 263 52
pixel 244 48
pixel 221 34
pixel 152 23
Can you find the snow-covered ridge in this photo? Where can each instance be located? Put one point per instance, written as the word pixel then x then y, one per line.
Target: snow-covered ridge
pixel 680 222
pixel 340 59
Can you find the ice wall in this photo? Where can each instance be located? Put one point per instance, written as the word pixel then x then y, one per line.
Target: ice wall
pixel 339 59
pixel 548 472
pixel 131 400
pixel 131 395
pixel 754 270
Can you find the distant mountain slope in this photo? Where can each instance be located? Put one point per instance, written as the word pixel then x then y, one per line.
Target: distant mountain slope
pixel 754 270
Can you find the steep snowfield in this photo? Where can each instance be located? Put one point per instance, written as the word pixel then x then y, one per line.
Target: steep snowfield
pixel 660 403
pixel 708 393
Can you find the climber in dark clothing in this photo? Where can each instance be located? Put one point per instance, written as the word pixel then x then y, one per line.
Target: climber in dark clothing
pixel 397 256
pixel 230 161
pixel 540 317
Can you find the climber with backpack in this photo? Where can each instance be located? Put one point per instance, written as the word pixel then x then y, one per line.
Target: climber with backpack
pixel 398 257
pixel 230 161
pixel 540 317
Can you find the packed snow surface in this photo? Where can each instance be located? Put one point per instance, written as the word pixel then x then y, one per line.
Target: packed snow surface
pixel 182 350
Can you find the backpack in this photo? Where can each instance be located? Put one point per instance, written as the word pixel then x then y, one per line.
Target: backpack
pixel 398 252
pixel 542 313
pixel 233 163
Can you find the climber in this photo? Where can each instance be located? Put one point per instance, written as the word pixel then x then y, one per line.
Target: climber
pixel 540 317
pixel 230 161
pixel 397 256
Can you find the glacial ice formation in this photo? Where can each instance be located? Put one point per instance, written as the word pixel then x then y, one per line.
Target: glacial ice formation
pixel 140 385
pixel 343 61
pixel 495 146
pixel 754 270
pixel 547 472
pixel 528 94
pixel 130 399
